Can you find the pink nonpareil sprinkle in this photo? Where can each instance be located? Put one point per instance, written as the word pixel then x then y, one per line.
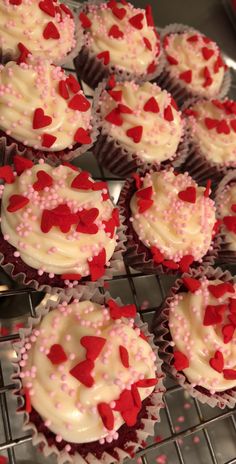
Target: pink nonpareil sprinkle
pixel 162 459
pixel 196 440
pixel 187 405
pixel 180 419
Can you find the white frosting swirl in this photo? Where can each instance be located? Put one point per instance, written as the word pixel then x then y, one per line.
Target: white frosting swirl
pixel 160 137
pixel 199 342
pixel 129 53
pixel 23 89
pixel 25 23
pixel 73 413
pixel 176 227
pixel 55 252
pixel 189 56
pixel 214 144
pixel 224 208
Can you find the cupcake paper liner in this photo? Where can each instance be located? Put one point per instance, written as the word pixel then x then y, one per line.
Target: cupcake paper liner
pixel 176 87
pixel 137 255
pixel 160 327
pixel 131 438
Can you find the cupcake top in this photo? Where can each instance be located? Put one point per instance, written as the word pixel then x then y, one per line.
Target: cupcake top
pixel 143 118
pixel 195 60
pixel 122 36
pixel 92 365
pixel 174 217
pixel 41 28
pixel 42 107
pixel 226 209
pixel 213 128
pixel 59 219
pixel 202 323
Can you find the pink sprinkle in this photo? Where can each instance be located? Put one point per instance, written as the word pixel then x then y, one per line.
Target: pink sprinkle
pixel 181 419
pixel 162 459
pixel 187 405
pixel 196 439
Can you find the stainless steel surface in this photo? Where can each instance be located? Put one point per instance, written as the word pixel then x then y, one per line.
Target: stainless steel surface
pixel 190 433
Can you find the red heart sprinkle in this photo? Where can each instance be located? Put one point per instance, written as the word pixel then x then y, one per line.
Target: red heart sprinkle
pixel 208 78
pixel 82 182
pixel 116 217
pixel 130 416
pixel 189 195
pixel 136 396
pixel 115 94
pixel 147 43
pixel 230 223
pixel 219 290
pixel 115 32
pixel 82 136
pixel 145 193
pixel 229 374
pixel 206 40
pixel 86 224
pixel 51 31
pixel 136 21
pixel 93 346
pixel 24 53
pixel 218 104
pixel 232 318
pixel 233 208
pixel 170 264
pixel 21 164
pixel 180 361
pixel 222 127
pixel 60 216
pixel 193 38
pixel 171 60
pixel 192 284
pixel 158 257
pixel 216 227
pixel 135 133
pixel 48 7
pixel 124 356
pixel 57 355
pixel 124 109
pixel 106 415
pixel 228 332
pixel 207 189
pixel 71 277
pixel 190 112
pixel 232 305
pixel 66 10
pixel 7 174
pixel 168 115
pixel 97 265
pixel 186 262
pixel 17 202
pixel 213 314
pixel 217 362
pixel 101 186
pixel 138 181
pixel 151 105
pixel 116 311
pixel 119 12
pixel 114 117
pixel 174 104
pixel 149 16
pixel 82 372
pixel 85 21
pixel 146 383
pixel 125 401
pixel 111 81
pixel 63 91
pixel 73 84
pixel 186 76
pixel 233 124
pixel 44 180
pixel 152 67
pixel 144 205
pixel 48 140
pixel 166 41
pixel 207 53
pixel 15 2
pixel 79 102
pixel 40 119
pixel 109 227
pixel 28 408
pixel 105 57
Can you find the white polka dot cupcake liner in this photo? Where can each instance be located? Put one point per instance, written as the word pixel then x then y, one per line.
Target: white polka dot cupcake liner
pixel 92 70
pixel 160 328
pixel 45 440
pixel 177 87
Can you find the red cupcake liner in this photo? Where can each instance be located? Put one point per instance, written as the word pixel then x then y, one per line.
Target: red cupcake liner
pixel 130 440
pixel 160 328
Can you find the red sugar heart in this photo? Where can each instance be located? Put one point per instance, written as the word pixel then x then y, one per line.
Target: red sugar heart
pixel 145 194
pixel 230 223
pixel 144 205
pixel 114 117
pixel 147 43
pixel 232 305
pixel 40 119
pixel 21 164
pixel 174 104
pixel 66 10
pixel 101 186
pixel 116 216
pixel 171 60
pixel 193 38
pixel 192 284
pixel 63 91
pixel 229 374
pixel 151 105
pixel 180 361
pixel 217 362
pixel 207 53
pixel 219 290
pixel 168 115
pixel 115 32
pixel 44 180
pixel 48 140
pixel 17 202
pixel 109 227
pixel 71 277
pixel 28 408
pixel 232 318
pixel 136 396
pixel 213 314
pixel 166 41
pixel 206 40
pixel 85 21
pixel 93 346
pixel 218 104
pixel 97 265
pixel 82 372
pixel 158 257
pixel 111 81
pixel 79 102
pixel 106 415
pixel 136 21
pixel 86 221
pixel 73 84
pixel 216 227
pixel 60 216
pixel 130 416
pixel 186 262
pixel 189 195
pixel 119 12
pixel 116 311
pixel 125 401
pixel 82 136
pixel 82 182
pixel 105 57
pixel 207 189
pixel 48 7
pixel 152 67
pixel 135 133
pixel 190 112
pixel 51 31
pixel 124 356
pixel 233 124
pixel 7 174
pixel 56 354
pixel 228 332
pixel 170 264
pixel 186 76
pixel 15 2
pixel 24 53
pixel 115 94
pixel 146 383
pixel 138 181
pixel 124 109
pixel 208 78
pixel 222 127
pixel 149 16
pixel 233 208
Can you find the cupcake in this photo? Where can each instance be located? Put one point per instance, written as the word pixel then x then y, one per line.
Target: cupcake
pixel 212 129
pixel 43 112
pixel 57 225
pixel 194 65
pixel 170 222
pixel 140 125
pixel 226 212
pixel 40 28
pixel 120 39
pixel 100 373
pixel 196 332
